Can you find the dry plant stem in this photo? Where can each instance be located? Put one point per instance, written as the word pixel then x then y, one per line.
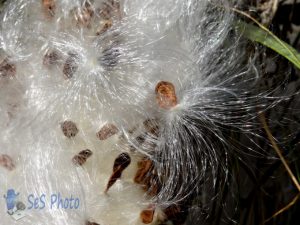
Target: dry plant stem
pixel 278 151
pixel 295 199
pixel 265 29
pixel 275 6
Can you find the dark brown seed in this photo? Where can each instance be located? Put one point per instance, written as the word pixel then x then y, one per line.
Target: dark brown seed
pixel 69 129
pixel 49 7
pixel 144 166
pixel 7 68
pixel 51 58
pixel 165 95
pixel 107 131
pixel 81 157
pixel 71 65
pixel 86 153
pixel 7 162
pixel 147 215
pixel 120 164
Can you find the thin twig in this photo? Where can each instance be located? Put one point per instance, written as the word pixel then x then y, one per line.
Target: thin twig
pixel 285 208
pixel 278 151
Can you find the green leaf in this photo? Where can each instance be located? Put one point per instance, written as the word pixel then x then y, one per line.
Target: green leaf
pixel 265 37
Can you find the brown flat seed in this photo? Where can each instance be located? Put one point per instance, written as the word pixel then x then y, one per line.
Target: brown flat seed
pixel 71 65
pixel 49 7
pixel 7 162
pixel 147 215
pixel 81 157
pixel 69 129
pixel 51 58
pixel 107 131
pixel 165 95
pixel 144 166
pixel 120 164
pixel 7 69
pixel 147 177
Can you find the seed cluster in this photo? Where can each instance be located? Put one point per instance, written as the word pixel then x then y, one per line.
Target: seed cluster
pixel 146 175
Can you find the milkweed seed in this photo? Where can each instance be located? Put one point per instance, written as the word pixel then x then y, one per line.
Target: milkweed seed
pixel 83 15
pixel 51 58
pixel 69 129
pixel 120 164
pixel 147 215
pixel 105 25
pixel 146 176
pixel 165 95
pixel 7 68
pixel 81 157
pixel 71 65
pixel 7 162
pixel 107 131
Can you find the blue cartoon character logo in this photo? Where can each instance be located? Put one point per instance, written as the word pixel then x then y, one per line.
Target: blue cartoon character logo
pixel 14 208
pixel 11 199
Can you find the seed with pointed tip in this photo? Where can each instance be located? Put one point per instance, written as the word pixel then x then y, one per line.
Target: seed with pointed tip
pixel 120 164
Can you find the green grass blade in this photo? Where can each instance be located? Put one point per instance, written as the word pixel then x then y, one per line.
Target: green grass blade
pixel 270 40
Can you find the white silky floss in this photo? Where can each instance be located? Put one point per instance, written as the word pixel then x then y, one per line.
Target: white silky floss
pixel 109 76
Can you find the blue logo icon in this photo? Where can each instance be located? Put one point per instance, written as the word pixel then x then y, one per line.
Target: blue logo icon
pixel 15 208
pixel 11 200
